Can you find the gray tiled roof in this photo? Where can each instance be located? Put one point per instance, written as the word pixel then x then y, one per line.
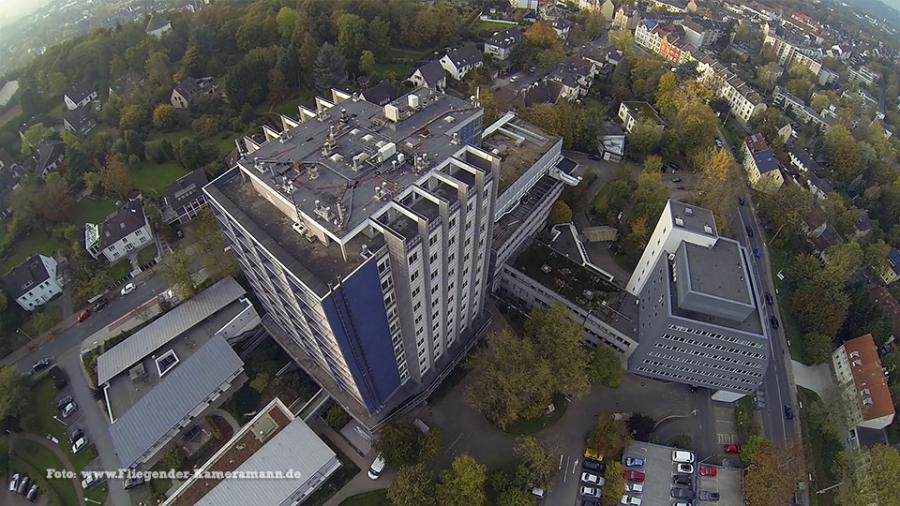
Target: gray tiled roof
pixel 179 393
pixel 125 221
pixel 169 326
pixel 432 72
pixel 25 276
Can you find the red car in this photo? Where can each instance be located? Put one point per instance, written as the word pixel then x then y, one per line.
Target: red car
pixel 82 316
pixel 707 471
pixel 732 449
pixel 632 475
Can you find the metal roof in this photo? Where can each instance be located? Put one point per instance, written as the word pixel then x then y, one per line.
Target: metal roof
pixel 296 447
pixel 169 326
pixel 179 393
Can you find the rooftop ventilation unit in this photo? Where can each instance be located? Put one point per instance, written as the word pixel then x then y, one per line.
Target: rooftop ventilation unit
pixel 392 112
pixel 413 101
pixel 688 211
pixel 679 221
pixel 707 229
pixel 368 137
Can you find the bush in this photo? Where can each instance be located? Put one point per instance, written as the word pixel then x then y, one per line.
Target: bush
pixel 59 377
pixel 682 441
pixel 745 418
pixel 561 213
pixel 337 418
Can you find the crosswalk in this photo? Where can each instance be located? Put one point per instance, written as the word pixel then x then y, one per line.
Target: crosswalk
pixel 726 439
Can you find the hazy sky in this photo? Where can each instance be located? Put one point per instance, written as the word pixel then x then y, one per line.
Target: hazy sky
pixel 10 9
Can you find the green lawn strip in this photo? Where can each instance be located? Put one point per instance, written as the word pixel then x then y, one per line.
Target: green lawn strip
pixel 534 425
pixel 119 270
pixel 34 460
pixel 149 176
pixel 97 493
pixel 373 498
pixel 821 446
pixel 44 394
pixel 92 210
pixel 32 243
pixel 791 328
pixel 174 137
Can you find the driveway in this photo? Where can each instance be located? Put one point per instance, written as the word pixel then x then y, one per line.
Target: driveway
pixel 817 378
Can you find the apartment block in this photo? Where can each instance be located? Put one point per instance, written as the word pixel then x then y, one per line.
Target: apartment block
pixel 863 384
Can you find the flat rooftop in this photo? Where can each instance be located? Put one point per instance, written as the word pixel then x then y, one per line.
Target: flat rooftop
pixel 692 218
pixel 719 271
pixel 643 110
pixel 510 222
pixel 126 390
pixel 519 145
pixel 330 166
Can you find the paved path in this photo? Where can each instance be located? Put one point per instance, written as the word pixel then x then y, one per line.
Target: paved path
pixel 235 426
pixel 76 483
pixel 817 378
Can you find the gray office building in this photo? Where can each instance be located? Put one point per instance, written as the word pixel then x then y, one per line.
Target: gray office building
pixel 701 321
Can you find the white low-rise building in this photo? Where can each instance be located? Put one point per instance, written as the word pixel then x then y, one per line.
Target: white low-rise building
pixel 120 235
pixel 461 61
pixel 33 283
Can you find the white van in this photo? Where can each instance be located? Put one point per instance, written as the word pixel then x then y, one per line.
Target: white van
pixel 682 457
pixel 376 468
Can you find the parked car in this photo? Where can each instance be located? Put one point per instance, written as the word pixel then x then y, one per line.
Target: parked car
pixel 130 483
pixel 731 449
pixel 537 492
pixel 630 500
pixel 707 471
pixel 128 288
pixel 682 493
pixel 708 495
pixel 680 503
pixel 14 483
pixel 769 299
pixel 676 179
pixel 76 435
pixel 99 305
pixel 63 401
pixel 82 316
pixel 377 467
pixel 32 493
pixel 682 457
pixel 788 412
pixel 23 485
pixel 91 480
pixel 634 462
pixel 773 322
pixel 593 465
pixel 685 468
pixel 593 455
pixel 590 491
pixel 592 479
pixel 632 475
pixel 757 253
pixel 681 479
pixel 68 409
pixel 40 365
pixel 749 231
pixel 590 502
pixel 635 488
pixel 79 444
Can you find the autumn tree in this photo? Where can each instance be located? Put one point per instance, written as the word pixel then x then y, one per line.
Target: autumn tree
pixel 608 436
pixel 402 444
pixel 413 486
pixel 785 209
pixel 606 367
pixel 843 153
pixel 114 176
pixel 537 464
pixel 651 197
pixel 751 446
pixel 716 186
pixel 177 270
pixel 14 396
pixel 644 137
pixel 615 485
pixel 210 243
pixel 817 347
pixel 559 342
pixel 541 34
pixel 772 475
pixel 561 213
pixel 820 309
pixel 133 117
pixel 463 484
pixel 164 117
pixel 56 201
pixel 870 476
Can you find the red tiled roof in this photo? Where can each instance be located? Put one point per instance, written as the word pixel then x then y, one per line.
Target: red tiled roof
pixel 869 377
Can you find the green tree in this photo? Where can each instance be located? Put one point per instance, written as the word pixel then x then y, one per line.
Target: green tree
pixel 561 213
pixel 367 63
pixel 820 309
pixel 559 341
pixel 177 270
pixel 413 486
pixel 785 209
pixel 817 347
pixel 14 393
pixel 378 38
pixel 288 20
pixel 351 36
pixel 399 443
pixel 606 367
pixel 614 488
pixel 164 117
pixel 133 117
pixel 56 201
pixel 34 135
pixel 651 196
pixel 210 244
pixel 133 144
pixel 644 137
pixel 608 436
pixel 843 153
pixel 278 86
pixel 173 458
pixel 158 70
pixel 191 63
pixel 841 262
pixel 463 484
pixel 515 497
pixel 751 446
pixel 330 69
pixel 653 164
pixel 190 153
pixel 537 464
pixel 3 301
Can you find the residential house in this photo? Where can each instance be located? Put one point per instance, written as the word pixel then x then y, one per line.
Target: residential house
pixel 743 100
pixel 191 90
pixel 676 6
pixel 803 162
pixel 158 26
pixel 863 75
pixel 79 96
pixel 381 94
pixel 501 44
pixel 626 18
pixel 48 156
pixel 814 223
pixel 430 75
pixel 9 165
pixel 608 10
pixel 890 270
pixel 33 282
pixel 796 106
pixel 8 91
pixel 576 77
pixel 863 383
pixel 699 32
pixel 121 233
pixel 788 134
pixel 633 111
pixel 524 4
pixel 461 61
pixel 80 121
pixel 762 167
pixel 611 142
pixel 562 27
pixel 184 198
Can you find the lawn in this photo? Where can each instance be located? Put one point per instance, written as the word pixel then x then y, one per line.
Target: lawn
pixel 154 177
pixel 147 255
pixel 34 460
pixel 92 210
pixel 538 424
pixel 821 443
pixel 373 498
pixel 487 28
pixel 789 324
pixel 120 270
pixel 34 242
pixel 44 395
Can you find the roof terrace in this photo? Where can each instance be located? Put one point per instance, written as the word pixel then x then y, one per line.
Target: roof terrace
pixel 520 145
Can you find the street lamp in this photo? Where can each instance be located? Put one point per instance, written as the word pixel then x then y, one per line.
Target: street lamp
pixel 20 331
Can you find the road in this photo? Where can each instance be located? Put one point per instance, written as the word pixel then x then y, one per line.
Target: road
pixel 65 350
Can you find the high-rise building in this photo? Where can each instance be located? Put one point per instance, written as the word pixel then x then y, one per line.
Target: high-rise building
pixel 701 321
pixel 365 232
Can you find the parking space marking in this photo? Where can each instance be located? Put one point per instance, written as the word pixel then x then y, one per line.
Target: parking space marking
pixel 561 456
pixel 450 448
pixel 726 439
pixel 565 474
pixel 575 466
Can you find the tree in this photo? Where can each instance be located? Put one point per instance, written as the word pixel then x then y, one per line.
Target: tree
pixel 191 63
pixel 772 475
pixel 190 153
pixel 667 95
pixel 309 51
pixel 515 497
pixel 594 24
pixel 114 176
pixel 133 144
pixel 541 34
pixel 561 213
pixel 463 484
pixel 559 341
pixel 413 486
pixel 34 135
pixel 820 309
pixel 716 185
pixel 330 69
pixel 817 347
pixel 785 209
pixel 378 38
pixel 641 426
pixel 177 270
pixel 399 444
pixel 751 446
pixel 367 63
pixel 210 243
pixel 56 202
pixel 644 137
pixel 288 20
pixel 132 117
pixel 843 153
pixel 614 488
pixel 511 382
pixel 767 76
pixel 651 196
pixel 841 262
pixel 606 367
pixel 3 301
pixel 870 476
pixel 278 86
pixel 608 436
pixel 164 117
pixel 351 36
pixel 14 395
pixel 537 463
pixel 158 70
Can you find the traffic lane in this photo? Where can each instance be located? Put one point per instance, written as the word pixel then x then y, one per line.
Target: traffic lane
pixel 74 335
